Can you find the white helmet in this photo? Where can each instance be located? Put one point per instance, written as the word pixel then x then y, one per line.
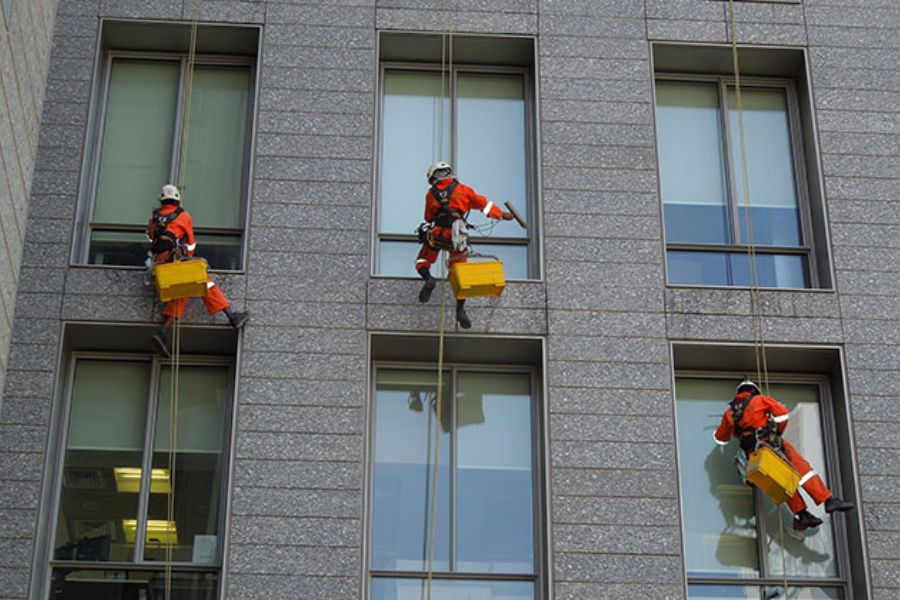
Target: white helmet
pixel 170 192
pixel 747 384
pixel 437 167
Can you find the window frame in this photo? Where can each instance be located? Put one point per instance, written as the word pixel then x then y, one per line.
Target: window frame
pixel 541 572
pixel 155 365
pixel 832 452
pixel 734 203
pixel 531 240
pixel 86 227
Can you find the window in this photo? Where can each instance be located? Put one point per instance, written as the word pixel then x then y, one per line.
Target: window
pixel 485 528
pixel 143 99
pixel 485 121
pixel 6 5
pixel 734 547
pixel 707 224
pixel 112 526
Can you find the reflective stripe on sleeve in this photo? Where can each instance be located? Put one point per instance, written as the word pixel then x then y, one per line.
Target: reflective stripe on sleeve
pixel 191 247
pixel 487 209
pixel 210 284
pixel 781 419
pixel 807 477
pixel 421 260
pixel 718 441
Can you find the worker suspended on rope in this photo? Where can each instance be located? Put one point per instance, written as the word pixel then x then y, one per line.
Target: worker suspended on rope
pixel 447 204
pixel 753 419
pixel 171 234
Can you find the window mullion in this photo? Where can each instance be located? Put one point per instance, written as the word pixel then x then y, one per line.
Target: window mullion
pixel 730 177
pixel 453 465
pixel 140 534
pixel 179 125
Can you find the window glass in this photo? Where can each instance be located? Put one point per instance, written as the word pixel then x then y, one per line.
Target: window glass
pixel 491 148
pixel 120 584
pixel 691 163
pixel 217 138
pixel 494 476
pixel 136 151
pixel 409 143
pixel 201 403
pixel 720 268
pixel 481 127
pixel 103 460
pixel 414 589
pixel 140 149
pixel 719 516
pixel 770 166
pixel 405 425
pixel 484 514
pixel 726 526
pixel 768 592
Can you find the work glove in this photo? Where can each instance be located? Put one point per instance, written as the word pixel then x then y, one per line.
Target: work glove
pixel 507 216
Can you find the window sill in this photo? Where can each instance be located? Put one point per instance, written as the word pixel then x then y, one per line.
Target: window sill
pixel 691 286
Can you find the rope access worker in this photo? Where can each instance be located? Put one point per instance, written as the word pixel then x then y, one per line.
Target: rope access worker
pixel 753 418
pixel 447 204
pixel 171 234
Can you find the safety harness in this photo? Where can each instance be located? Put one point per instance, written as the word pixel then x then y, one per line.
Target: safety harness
pixel 750 437
pixel 163 240
pixel 445 215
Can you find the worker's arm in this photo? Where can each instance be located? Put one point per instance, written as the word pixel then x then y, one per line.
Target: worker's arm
pixel 778 411
pixel 190 244
pixel 722 434
pixel 479 202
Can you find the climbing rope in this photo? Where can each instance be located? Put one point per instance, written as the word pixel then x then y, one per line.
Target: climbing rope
pixel 174 388
pixel 759 341
pixel 446 75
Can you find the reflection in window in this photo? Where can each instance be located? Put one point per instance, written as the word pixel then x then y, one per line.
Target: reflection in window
pixel 484 520
pixel 110 509
pixel 145 101
pixel 485 129
pixel 702 187
pixel 727 526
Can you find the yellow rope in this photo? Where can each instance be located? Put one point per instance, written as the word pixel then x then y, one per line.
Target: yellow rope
pixel 762 368
pixel 174 388
pixel 446 71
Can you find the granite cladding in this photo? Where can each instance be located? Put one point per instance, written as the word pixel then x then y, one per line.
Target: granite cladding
pixel 297 501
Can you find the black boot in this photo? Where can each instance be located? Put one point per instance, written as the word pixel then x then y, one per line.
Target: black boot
pixel 160 341
pixel 836 504
pixel 237 319
pixel 428 286
pixel 461 315
pixel 805 519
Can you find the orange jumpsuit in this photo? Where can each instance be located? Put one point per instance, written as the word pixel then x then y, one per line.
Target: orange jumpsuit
pixel 182 227
pixel 461 201
pixel 757 412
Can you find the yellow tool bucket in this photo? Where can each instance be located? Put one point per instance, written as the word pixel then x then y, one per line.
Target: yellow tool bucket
pixel 472 279
pixel 180 279
pixel 772 474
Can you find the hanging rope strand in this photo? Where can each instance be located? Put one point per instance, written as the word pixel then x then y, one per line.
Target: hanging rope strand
pixel 189 87
pixel 446 75
pixel 762 368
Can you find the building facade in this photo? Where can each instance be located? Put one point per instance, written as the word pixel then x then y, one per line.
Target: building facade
pixel 24 55
pixel 687 228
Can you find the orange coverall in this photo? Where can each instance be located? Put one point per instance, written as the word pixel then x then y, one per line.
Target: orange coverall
pixel 182 227
pixel 757 412
pixel 462 200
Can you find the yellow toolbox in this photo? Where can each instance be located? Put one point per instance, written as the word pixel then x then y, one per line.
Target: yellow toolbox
pixel 180 279
pixel 772 474
pixel 472 279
